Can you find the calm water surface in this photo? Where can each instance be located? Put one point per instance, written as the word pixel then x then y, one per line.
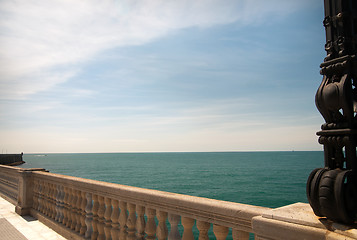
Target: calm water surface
pixel 270 179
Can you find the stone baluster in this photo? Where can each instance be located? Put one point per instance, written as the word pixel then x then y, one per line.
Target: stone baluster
pixel 69 208
pixel 174 232
pixel 115 220
pixel 150 227
pixel 40 196
pixel 53 198
pixel 95 217
pixel 78 212
pixel 100 224
pixel 58 196
pixel 74 209
pixel 61 204
pixel 240 235
pixel 45 198
pixel 161 231
pixel 203 228
pixel 35 194
pixel 122 220
pixel 50 200
pixel 107 216
pixel 65 207
pixel 83 204
pixel 187 224
pixel 88 216
pixel 140 222
pixel 131 221
pixel 220 232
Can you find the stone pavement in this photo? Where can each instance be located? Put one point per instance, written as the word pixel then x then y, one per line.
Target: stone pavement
pixel 16 227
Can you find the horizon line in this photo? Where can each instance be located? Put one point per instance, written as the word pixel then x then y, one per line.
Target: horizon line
pixel 230 151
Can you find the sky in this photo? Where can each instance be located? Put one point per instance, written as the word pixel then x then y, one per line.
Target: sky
pixel 159 75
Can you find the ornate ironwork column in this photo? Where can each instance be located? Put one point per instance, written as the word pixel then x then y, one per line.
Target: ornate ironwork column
pixel 332 190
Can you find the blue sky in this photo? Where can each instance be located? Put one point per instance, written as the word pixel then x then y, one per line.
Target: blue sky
pixel 138 76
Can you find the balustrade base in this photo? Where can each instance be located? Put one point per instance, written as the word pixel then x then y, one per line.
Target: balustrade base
pixel 55 226
pixel 296 222
pixel 22 211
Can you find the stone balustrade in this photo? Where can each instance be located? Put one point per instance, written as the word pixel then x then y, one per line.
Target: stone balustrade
pixel 9 183
pixel 99 210
pixel 80 208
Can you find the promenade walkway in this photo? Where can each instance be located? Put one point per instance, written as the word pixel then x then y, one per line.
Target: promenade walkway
pixel 16 227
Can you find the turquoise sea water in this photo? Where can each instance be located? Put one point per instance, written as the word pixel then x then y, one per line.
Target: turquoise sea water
pixel 270 179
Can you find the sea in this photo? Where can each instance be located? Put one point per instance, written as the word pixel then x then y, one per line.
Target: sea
pixel 269 179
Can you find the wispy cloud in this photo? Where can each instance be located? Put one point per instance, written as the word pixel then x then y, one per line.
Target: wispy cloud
pixel 43 42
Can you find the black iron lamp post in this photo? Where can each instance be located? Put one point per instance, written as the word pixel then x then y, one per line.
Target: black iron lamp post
pixel 332 190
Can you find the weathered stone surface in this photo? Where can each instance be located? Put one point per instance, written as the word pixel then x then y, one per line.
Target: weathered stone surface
pixel 297 221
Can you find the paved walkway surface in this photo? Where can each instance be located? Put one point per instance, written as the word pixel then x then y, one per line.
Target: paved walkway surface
pixel 16 227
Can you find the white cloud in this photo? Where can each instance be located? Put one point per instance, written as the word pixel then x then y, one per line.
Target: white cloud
pixel 42 42
pixel 18 87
